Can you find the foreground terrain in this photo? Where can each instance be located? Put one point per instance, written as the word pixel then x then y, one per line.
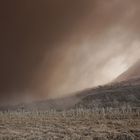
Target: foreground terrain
pixel 75 124
pixel 110 112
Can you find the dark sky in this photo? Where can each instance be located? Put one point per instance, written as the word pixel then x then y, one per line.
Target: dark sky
pixel 49 48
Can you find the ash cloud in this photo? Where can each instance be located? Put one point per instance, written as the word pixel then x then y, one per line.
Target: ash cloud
pixel 51 48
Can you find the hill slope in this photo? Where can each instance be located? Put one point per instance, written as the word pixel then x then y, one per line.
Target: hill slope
pixel 116 95
pixel 132 73
pixel 111 96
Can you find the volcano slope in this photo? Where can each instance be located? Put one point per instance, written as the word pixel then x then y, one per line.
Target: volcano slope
pixel 132 73
pixel 124 90
pixel 126 93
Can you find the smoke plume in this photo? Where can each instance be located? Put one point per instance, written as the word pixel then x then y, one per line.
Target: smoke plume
pixel 51 48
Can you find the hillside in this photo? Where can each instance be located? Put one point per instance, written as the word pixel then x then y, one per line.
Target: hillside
pixel 111 96
pixel 116 95
pixel 132 73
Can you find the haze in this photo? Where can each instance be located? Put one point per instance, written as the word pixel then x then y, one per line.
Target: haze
pixel 50 49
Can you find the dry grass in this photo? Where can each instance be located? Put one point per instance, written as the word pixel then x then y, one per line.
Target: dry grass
pixel 74 124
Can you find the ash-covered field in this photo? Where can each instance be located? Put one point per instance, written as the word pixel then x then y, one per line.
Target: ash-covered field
pixel 75 124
